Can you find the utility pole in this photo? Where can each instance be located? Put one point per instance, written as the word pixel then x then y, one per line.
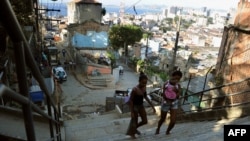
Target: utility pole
pixel 172 65
pixel 146 52
pixel 40 19
pixel 35 3
pixel 46 19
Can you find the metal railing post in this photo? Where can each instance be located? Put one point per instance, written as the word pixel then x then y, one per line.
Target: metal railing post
pixel 12 26
pixel 24 90
pixel 186 92
pixel 204 86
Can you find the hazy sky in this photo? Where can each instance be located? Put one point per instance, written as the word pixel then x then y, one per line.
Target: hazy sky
pixel 221 4
pixel 217 4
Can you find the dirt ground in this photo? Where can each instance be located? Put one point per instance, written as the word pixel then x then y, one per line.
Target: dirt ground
pixel 79 101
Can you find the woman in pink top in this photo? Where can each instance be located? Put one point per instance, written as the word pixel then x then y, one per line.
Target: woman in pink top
pixel 171 93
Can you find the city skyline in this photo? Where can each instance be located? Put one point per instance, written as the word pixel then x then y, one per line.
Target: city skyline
pixel 211 4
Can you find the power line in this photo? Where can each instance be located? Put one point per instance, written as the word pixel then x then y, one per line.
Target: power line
pixel 133 5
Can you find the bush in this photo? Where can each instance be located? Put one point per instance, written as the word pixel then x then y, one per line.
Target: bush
pixel 163 76
pixel 154 70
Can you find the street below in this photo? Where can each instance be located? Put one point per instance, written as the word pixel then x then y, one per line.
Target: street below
pixel 78 101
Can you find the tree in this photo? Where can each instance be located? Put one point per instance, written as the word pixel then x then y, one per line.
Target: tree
pixel 169 20
pixel 122 36
pixel 103 12
pixel 209 20
pixel 23 10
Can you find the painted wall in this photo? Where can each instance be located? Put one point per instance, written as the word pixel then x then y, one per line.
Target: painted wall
pixel 92 39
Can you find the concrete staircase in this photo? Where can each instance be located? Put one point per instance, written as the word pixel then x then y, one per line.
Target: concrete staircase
pixel 12 126
pixel 111 127
pixel 104 80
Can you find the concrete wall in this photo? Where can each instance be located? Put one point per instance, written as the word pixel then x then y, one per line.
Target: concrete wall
pixel 81 12
pixel 101 69
pixel 234 56
pixel 224 113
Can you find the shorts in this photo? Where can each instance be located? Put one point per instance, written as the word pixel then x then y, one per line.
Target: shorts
pixel 137 108
pixel 167 106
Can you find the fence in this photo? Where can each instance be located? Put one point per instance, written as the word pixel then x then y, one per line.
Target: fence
pixel 24 57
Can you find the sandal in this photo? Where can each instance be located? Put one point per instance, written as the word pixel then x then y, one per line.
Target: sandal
pixel 157 131
pixel 138 132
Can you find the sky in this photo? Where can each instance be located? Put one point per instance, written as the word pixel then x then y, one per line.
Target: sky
pixel 218 4
pixel 211 4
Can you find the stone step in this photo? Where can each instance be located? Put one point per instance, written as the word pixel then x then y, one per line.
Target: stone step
pixel 98 127
pixel 193 131
pixel 90 118
pixel 13 126
pixel 115 129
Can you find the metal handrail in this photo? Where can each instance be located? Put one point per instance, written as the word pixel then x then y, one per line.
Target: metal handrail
pixel 24 56
pixel 218 87
pixel 217 107
pixel 7 92
pixel 185 97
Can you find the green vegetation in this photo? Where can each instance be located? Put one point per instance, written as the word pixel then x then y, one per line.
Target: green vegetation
pixel 154 70
pixel 209 20
pixel 124 35
pixel 147 35
pixel 149 69
pixel 103 12
pixel 133 60
pixel 111 56
pixel 23 10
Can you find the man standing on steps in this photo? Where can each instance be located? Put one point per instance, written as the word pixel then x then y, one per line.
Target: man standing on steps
pixel 63 52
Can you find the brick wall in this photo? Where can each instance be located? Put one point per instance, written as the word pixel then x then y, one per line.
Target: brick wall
pixel 234 56
pixel 101 69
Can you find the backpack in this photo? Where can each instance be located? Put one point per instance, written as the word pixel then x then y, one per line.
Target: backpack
pixel 169 93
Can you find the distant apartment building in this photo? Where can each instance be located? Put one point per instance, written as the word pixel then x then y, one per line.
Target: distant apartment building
pixel 208 13
pixel 110 17
pixel 201 21
pixel 80 11
pixel 204 9
pixel 165 12
pixel 173 10
pixel 154 17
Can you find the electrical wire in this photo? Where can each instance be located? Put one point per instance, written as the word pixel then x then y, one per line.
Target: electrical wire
pixel 60 7
pixel 132 6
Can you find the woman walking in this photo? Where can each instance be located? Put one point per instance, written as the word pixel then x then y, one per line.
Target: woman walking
pixel 171 93
pixel 136 106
